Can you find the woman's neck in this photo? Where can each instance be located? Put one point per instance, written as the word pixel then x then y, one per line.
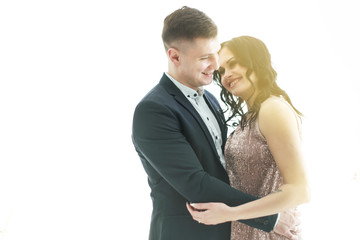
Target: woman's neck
pixel 250 101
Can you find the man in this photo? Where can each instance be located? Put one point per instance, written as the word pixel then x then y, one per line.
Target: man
pixel 179 133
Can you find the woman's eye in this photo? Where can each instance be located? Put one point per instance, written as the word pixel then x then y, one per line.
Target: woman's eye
pixel 232 63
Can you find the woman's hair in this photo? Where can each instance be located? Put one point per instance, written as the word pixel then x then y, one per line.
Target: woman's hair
pixel 187 24
pixel 251 53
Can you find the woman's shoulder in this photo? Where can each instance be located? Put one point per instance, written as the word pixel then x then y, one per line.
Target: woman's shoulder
pixel 276 113
pixel 275 105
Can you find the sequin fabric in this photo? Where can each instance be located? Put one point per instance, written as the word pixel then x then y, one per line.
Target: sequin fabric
pixel 252 169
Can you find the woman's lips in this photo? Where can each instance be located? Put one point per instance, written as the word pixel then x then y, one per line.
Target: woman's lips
pixel 233 82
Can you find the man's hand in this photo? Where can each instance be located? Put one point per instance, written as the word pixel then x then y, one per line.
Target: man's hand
pixel 288 225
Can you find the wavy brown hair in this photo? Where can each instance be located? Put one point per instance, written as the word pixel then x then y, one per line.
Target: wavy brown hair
pixel 253 54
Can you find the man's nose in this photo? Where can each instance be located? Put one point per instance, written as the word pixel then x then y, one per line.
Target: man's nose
pixel 216 62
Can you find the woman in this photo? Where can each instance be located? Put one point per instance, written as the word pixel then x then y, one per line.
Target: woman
pixel 263 155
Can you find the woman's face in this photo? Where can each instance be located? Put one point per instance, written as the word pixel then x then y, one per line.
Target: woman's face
pixel 233 75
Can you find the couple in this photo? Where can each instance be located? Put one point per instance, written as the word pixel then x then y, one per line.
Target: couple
pixel 179 132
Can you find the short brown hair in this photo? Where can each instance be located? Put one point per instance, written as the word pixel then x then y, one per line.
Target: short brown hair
pixel 187 24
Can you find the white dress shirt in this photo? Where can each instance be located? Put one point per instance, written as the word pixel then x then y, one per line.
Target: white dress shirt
pixel 198 102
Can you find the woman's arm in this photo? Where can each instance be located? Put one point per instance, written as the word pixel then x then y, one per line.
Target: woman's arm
pixel 278 124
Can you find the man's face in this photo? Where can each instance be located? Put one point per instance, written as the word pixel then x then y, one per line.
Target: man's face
pixel 198 59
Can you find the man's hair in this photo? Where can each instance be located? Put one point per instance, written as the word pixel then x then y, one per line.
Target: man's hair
pixel 187 24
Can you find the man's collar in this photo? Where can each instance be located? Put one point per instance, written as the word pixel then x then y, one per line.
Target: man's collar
pixel 187 91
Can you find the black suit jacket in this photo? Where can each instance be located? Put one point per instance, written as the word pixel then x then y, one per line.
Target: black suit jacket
pixel 180 159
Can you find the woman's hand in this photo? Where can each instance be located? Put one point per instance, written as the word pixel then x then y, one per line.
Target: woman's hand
pixel 210 213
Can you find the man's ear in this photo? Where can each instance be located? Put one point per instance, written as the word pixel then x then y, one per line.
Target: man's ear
pixel 174 56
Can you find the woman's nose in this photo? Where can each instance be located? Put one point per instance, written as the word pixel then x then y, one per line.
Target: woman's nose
pixel 226 74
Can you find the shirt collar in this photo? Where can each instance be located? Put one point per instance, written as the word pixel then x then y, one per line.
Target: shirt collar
pixel 187 91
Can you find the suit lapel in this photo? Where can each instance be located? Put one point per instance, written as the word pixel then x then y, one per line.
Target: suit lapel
pixel 181 99
pixel 184 102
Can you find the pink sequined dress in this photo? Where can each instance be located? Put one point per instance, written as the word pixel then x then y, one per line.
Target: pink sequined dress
pixel 252 169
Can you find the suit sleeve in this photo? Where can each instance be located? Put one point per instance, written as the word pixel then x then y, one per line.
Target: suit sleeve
pixel 157 135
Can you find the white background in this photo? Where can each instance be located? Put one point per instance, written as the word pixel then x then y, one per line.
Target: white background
pixel 71 73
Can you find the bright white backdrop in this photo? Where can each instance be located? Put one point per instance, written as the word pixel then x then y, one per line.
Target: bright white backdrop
pixel 71 73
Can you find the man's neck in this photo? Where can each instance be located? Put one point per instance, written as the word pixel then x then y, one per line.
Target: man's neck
pixel 178 78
